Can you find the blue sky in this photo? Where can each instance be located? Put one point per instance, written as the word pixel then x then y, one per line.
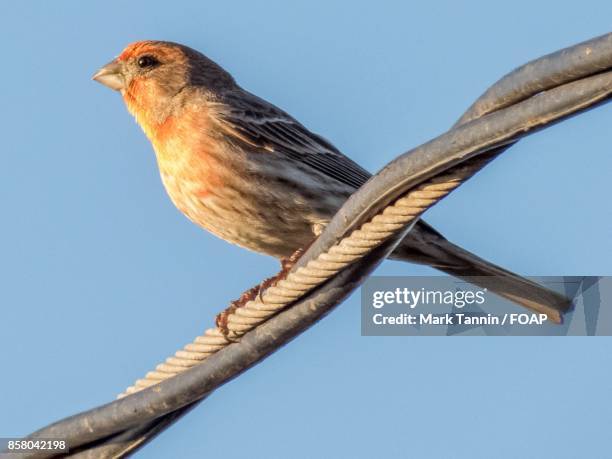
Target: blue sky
pixel 101 278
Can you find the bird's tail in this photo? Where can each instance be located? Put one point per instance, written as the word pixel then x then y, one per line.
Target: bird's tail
pixel 431 248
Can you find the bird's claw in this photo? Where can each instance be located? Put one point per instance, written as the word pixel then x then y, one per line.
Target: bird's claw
pixel 255 293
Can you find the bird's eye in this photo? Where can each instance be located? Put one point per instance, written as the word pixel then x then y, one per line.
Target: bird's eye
pixel 147 61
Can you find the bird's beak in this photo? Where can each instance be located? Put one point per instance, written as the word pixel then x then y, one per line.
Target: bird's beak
pixel 111 75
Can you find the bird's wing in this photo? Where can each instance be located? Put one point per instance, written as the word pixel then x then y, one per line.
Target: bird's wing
pixel 263 127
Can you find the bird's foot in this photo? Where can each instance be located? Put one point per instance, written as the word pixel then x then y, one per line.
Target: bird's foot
pixel 223 317
pixel 287 263
pixel 255 292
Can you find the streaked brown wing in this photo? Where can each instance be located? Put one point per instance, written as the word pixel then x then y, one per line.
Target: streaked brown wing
pixel 267 128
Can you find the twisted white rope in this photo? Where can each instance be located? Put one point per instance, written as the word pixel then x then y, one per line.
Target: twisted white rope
pixel 351 248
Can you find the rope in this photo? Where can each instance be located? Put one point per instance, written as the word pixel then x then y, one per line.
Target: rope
pixel 351 248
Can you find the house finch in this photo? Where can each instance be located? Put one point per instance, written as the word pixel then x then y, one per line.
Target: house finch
pixel 251 174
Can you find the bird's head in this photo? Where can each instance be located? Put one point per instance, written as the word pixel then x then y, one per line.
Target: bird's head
pixel 150 74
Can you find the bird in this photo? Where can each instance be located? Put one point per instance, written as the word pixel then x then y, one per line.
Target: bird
pixel 248 172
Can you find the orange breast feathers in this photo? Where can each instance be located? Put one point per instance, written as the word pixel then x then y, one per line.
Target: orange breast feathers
pixel 185 150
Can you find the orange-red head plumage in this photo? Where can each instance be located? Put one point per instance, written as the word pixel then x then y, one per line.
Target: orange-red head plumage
pixel 152 75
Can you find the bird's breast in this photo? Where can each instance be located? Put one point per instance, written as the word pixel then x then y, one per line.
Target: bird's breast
pixel 240 196
pixel 189 172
